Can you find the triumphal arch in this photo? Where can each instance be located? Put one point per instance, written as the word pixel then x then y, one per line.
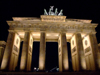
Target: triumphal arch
pixel 51 27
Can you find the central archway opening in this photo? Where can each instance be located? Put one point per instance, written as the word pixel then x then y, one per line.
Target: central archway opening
pixel 51 63
pixel 69 56
pixel 35 55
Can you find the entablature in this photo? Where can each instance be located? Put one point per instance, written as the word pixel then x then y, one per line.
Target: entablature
pixel 52 26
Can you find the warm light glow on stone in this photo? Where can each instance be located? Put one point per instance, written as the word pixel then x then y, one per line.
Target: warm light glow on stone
pixel 4 64
pixel 36 34
pixel 83 62
pixel 52 35
pixel 53 29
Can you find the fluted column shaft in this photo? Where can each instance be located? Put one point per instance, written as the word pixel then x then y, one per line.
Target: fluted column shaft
pixel 42 52
pixel 77 53
pixel 91 51
pixel 63 53
pixel 23 64
pixel 7 53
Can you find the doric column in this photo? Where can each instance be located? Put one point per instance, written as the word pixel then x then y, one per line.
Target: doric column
pixel 98 56
pixel 7 53
pixel 42 52
pixel 77 53
pixel 63 53
pixel 11 52
pixel 26 56
pixel 91 51
pixel 2 48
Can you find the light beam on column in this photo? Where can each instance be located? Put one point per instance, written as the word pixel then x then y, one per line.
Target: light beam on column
pixel 42 52
pixel 63 53
pixel 26 56
pixel 77 53
pixel 10 58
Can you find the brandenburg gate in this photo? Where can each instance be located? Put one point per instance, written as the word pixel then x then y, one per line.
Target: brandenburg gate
pixel 52 28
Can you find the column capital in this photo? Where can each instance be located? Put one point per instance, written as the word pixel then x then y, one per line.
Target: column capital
pixel 62 33
pixel 89 34
pixel 43 31
pixel 11 31
pixel 75 33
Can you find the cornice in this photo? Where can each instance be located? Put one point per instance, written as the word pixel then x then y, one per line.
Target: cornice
pixel 71 26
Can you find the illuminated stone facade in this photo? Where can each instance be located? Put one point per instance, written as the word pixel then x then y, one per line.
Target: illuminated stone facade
pixel 2 48
pixel 80 33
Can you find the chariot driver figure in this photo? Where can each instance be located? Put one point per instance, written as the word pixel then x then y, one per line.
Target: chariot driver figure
pixel 53 13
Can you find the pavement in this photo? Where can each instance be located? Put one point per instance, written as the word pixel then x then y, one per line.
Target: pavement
pixel 50 73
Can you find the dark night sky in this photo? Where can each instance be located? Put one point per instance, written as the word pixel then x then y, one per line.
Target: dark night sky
pixel 77 9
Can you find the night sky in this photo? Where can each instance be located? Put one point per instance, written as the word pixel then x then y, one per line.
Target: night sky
pixel 76 9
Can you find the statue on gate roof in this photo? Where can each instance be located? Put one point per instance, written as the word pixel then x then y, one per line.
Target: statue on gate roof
pixel 61 13
pixel 53 13
pixel 45 12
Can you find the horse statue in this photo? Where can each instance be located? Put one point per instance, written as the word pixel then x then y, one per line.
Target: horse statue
pixel 45 12
pixel 60 14
pixel 56 12
pixel 51 11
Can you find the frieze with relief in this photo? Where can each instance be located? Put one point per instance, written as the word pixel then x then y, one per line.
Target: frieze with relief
pixel 51 26
pixel 74 50
pixel 30 49
pixel 15 48
pixel 87 49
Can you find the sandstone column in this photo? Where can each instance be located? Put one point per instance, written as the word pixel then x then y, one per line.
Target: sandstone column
pixel 2 48
pixel 42 52
pixel 7 52
pixel 63 53
pixel 98 56
pixel 91 51
pixel 77 53
pixel 13 63
pixel 94 46
pixel 26 56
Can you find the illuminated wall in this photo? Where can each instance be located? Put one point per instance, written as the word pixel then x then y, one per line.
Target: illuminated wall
pixel 11 53
pixel 77 54
pixel 89 53
pixel 14 53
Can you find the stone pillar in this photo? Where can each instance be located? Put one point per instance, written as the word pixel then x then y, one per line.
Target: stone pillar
pixel 98 56
pixel 77 53
pixel 26 56
pixel 42 52
pixel 13 63
pixel 91 51
pixel 9 51
pixel 2 48
pixel 63 53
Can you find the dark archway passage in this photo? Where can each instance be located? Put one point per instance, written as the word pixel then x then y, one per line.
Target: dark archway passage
pixel 69 56
pixel 51 55
pixel 51 60
pixel 19 58
pixel 35 55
